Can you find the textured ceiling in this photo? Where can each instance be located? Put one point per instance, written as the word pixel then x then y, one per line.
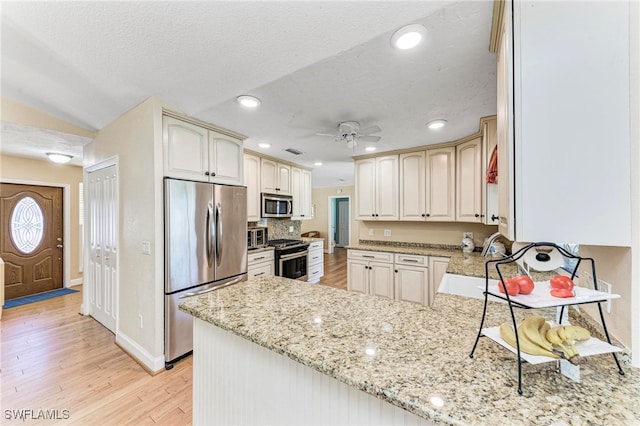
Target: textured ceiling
pixel 313 64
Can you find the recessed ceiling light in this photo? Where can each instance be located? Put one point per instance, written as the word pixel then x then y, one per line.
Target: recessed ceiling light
pixel 59 158
pixel 408 37
pixel 248 101
pixel 370 148
pixel 264 145
pixel 317 163
pixel 436 124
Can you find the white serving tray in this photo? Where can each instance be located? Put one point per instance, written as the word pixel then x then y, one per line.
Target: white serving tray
pixel 541 298
pixel 589 347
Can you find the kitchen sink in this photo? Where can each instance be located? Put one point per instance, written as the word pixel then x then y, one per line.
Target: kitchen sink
pixel 463 285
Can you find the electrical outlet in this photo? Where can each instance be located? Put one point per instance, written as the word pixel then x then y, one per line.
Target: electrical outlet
pixel 141 321
pixel 291 229
pixel 605 287
pixel 371 232
pixel 467 235
pixel 387 232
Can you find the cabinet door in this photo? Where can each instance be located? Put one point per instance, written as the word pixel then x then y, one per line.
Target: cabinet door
pixel 296 192
pixel 412 284
pixel 412 186
pixel 365 189
pixel 386 194
pixel 260 270
pixel 268 176
pixel 469 181
pixel 381 279
pixel 504 131
pixel 225 159
pixel 440 184
pixel 358 276
pixel 305 195
pixel 186 150
pixel 437 269
pixel 284 179
pixel 252 182
pixel 490 190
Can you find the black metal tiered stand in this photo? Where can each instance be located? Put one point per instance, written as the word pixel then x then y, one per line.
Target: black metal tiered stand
pixel 541 256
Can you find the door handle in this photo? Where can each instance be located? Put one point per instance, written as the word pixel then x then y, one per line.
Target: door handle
pixel 219 236
pixel 208 232
pixel 59 246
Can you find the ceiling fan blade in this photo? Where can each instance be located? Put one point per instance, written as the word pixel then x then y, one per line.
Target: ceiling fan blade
pixel 370 138
pixel 370 129
pixel 326 134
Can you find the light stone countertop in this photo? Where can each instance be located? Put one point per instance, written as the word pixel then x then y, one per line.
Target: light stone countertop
pixel 421 354
pixel 311 239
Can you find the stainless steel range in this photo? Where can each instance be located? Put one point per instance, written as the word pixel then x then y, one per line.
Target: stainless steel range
pixel 291 258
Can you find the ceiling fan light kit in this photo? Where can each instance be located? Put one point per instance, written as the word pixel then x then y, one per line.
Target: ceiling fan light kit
pixel 59 158
pixel 408 36
pixel 436 124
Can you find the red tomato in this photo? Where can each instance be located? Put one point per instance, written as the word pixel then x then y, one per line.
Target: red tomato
pixel 525 283
pixel 512 287
pixel 561 282
pixel 561 292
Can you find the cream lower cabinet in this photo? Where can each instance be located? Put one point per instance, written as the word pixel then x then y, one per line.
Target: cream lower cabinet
pixel 260 264
pixel 315 262
pixel 437 269
pixel 370 272
pixel 412 279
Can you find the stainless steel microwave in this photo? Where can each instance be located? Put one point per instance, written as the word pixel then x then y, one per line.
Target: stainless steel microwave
pixel 273 205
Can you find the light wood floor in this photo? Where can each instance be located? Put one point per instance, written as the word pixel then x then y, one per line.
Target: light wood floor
pixel 53 358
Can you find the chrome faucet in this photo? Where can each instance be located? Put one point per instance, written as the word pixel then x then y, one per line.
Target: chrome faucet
pixel 487 245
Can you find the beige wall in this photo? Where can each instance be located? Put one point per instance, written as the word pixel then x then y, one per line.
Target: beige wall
pixel 320 221
pixel 135 138
pixel 29 170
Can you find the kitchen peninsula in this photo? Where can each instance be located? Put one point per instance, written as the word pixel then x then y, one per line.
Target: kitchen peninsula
pixel 277 351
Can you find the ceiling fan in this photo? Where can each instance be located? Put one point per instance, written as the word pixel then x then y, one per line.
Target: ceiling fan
pixel 350 132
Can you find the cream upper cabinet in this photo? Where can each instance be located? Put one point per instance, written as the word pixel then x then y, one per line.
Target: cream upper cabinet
pixel 377 188
pixel 225 159
pixel 301 193
pixel 412 186
pixel 196 153
pixel 469 181
pixel 275 178
pixel 186 150
pixel 490 190
pixel 440 198
pixel 252 182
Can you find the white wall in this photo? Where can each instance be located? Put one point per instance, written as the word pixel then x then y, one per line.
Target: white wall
pixel 135 138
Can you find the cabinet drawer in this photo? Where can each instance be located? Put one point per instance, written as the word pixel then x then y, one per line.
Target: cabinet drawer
pixel 259 257
pixel 260 270
pixel 315 257
pixel 370 255
pixel 315 272
pixel 316 245
pixel 412 260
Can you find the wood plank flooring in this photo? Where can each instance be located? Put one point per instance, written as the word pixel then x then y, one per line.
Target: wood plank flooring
pixel 56 360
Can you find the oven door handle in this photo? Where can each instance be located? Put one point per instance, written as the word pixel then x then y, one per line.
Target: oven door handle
pixel 294 255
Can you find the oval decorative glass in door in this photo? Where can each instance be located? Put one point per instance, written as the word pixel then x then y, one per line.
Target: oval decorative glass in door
pixel 27 225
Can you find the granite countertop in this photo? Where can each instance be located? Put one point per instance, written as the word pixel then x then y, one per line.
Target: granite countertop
pixel 417 357
pixel 311 239
pixel 471 264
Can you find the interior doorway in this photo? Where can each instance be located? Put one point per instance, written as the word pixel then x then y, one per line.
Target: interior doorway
pixel 31 241
pixel 339 220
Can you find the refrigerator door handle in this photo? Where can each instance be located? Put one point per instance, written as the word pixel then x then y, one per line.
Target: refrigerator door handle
pixel 208 241
pixel 218 287
pixel 219 235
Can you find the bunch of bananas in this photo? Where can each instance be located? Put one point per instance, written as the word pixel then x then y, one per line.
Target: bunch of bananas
pixel 537 337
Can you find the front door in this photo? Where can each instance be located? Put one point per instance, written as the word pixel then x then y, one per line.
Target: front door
pixel 31 238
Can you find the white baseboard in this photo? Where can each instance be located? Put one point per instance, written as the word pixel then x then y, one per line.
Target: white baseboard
pixel 144 358
pixel 74 282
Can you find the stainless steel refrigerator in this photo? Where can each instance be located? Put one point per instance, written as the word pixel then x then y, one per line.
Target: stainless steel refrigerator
pixel 205 249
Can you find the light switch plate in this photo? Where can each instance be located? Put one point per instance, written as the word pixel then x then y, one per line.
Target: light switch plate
pixel 371 232
pixel 387 232
pixel 146 247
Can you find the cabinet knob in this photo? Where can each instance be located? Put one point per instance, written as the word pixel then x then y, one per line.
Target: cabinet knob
pixel 213 173
pixel 206 173
pixel 377 215
pixel 477 215
pixel 494 217
pixel 428 214
pixel 424 215
pixel 396 271
pixel 373 215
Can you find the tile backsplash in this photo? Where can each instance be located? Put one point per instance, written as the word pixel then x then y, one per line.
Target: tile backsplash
pixel 279 228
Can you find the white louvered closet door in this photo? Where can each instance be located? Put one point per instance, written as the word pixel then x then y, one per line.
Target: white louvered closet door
pixel 102 221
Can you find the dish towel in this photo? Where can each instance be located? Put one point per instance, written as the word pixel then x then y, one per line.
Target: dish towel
pixel 492 171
